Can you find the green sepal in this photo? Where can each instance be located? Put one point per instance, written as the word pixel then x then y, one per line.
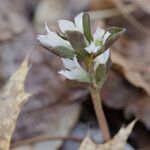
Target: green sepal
pixel 87 28
pixel 61 51
pixel 101 73
pixel 77 41
pixel 116 33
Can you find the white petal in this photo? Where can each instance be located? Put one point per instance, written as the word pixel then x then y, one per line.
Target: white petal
pixel 46 27
pixel 106 36
pixel 65 25
pixel 75 71
pixel 75 74
pixel 79 22
pixel 77 63
pixel 72 75
pixel 98 33
pixel 51 39
pixel 67 74
pixel 92 48
pixel 101 59
pixel 83 72
pixel 69 63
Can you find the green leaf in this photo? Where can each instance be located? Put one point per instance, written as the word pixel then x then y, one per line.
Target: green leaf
pixel 77 41
pixel 61 51
pixel 87 28
pixel 100 75
pixel 116 33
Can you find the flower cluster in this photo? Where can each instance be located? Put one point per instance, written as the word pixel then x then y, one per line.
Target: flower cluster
pixel 84 55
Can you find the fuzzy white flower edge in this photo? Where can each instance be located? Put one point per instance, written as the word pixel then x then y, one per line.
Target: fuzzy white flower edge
pixel 74 71
pixel 51 39
pixel 77 25
pixel 101 59
pixel 99 35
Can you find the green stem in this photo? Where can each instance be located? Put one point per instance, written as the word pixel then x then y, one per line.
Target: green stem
pixel 99 112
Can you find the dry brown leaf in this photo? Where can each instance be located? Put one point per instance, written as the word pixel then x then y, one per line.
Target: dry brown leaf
pixel 131 19
pixel 40 110
pixel 132 100
pixel 117 93
pixel 117 143
pixel 140 108
pixel 12 97
pixel 57 121
pixel 127 68
pixel 131 58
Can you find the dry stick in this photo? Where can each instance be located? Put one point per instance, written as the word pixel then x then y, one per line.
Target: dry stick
pixel 140 27
pixel 44 138
pixel 111 12
pixel 99 112
pixel 142 4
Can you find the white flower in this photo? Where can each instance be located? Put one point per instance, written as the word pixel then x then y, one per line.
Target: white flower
pixel 65 25
pixel 99 37
pixel 101 59
pixel 74 71
pixel 51 39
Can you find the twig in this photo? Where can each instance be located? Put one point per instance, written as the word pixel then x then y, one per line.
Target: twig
pixel 142 4
pixel 119 4
pixel 107 13
pixel 99 112
pixel 44 138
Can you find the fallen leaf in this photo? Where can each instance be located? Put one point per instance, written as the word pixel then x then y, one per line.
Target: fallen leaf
pixel 43 77
pixel 127 68
pixel 56 121
pixel 88 144
pixel 140 108
pixel 12 97
pixel 131 58
pixel 117 93
pixel 128 82
pixel 117 143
